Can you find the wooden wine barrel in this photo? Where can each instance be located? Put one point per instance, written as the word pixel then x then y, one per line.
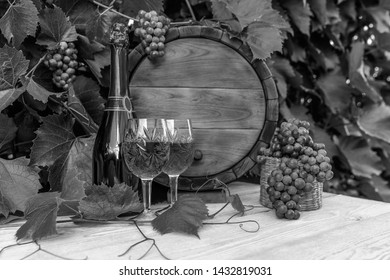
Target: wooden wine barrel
pixel 210 78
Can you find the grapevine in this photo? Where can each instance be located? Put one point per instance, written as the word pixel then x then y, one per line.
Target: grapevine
pixel 63 63
pixel 303 162
pixel 152 29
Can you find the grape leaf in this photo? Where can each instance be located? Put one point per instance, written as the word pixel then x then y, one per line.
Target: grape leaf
pixel 87 48
pixel 85 16
pixel 87 91
pixel 222 13
pixel 348 9
pixel 284 73
pixel 80 12
pixel 356 72
pixel 186 216
pixel 18 182
pixel 39 92
pixel 107 203
pixel 68 157
pixel 13 65
pixel 332 13
pixel 320 11
pixel 40 86
pixel 20 20
pixel 385 4
pixel 376 188
pixel 72 172
pixel 362 160
pixel 336 92
pixel 99 27
pixel 41 214
pixel 38 4
pixel 249 11
pixel 7 130
pixel 263 40
pixel 383 40
pixel 296 52
pixel 55 28
pixel 131 8
pixel 9 219
pixel 54 140
pixel 263 25
pixel 300 14
pixel 101 60
pixel 375 121
pixel 381 17
pixel 78 111
pixel 236 203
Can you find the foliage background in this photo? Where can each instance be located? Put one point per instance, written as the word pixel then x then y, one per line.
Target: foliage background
pixel 329 60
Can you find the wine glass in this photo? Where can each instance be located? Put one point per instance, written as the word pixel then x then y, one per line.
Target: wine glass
pixel 146 151
pixel 181 153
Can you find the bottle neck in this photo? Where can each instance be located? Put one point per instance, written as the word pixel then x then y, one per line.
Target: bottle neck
pixel 118 97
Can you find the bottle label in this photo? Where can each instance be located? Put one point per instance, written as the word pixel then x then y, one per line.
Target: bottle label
pixel 119 103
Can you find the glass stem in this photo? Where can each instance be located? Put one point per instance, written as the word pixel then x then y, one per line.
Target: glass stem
pixel 147 194
pixel 173 181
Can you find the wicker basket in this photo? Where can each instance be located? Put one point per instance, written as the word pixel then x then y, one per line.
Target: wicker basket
pixel 310 201
pixel 269 164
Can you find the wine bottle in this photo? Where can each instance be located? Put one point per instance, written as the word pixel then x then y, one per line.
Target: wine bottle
pixel 108 164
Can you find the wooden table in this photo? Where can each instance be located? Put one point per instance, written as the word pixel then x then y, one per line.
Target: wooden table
pixel 344 228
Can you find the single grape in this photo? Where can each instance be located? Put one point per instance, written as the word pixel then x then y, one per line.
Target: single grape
pixel 57 57
pixel 53 63
pixel 270 191
pixel 277 203
pixel 279 186
pixel 66 59
pixel 271 181
pixel 329 175
pixel 285 197
pixel 291 190
pixel 153 46
pixel 308 187
pixel 294 175
pixel 287 180
pixel 148 16
pixel 296 198
pixel 157 32
pixel 290 214
pixel 296 215
pixel 314 169
pixel 321 176
pixel 299 183
pixel 282 209
pixel 287 171
pixel 310 178
pixel 291 204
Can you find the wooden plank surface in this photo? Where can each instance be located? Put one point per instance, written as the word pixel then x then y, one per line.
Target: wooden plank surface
pixel 221 149
pixel 197 62
pixel 344 228
pixel 206 107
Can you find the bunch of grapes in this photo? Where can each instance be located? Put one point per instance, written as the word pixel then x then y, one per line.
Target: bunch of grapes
pixel 302 163
pixel 151 30
pixel 289 139
pixel 63 63
pixel 286 188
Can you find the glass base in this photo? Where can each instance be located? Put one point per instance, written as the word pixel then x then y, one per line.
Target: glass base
pixel 145 216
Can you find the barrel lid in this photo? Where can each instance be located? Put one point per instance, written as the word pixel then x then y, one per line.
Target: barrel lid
pixel 210 78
